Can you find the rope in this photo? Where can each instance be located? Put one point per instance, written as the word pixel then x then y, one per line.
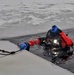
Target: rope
pixel 7 52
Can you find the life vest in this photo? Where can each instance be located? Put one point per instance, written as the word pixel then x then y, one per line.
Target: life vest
pixel 66 41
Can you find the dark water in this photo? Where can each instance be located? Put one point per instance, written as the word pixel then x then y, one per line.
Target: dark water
pixel 38 50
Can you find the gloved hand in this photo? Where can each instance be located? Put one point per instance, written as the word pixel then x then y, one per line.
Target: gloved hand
pixel 24 46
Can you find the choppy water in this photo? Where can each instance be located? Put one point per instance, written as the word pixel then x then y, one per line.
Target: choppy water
pixel 36 12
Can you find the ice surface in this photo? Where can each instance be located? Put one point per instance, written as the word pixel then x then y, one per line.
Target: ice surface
pixel 22 17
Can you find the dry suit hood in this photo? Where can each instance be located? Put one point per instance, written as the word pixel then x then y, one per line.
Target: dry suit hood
pixel 54 29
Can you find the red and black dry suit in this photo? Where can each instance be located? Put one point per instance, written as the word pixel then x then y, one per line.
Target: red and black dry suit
pixel 66 42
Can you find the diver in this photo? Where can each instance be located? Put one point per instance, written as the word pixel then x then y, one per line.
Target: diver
pixel 54 32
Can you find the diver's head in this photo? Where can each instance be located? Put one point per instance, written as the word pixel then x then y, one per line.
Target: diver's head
pixel 54 29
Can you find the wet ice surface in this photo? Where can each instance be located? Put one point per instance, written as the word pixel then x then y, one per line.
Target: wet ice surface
pixel 38 50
